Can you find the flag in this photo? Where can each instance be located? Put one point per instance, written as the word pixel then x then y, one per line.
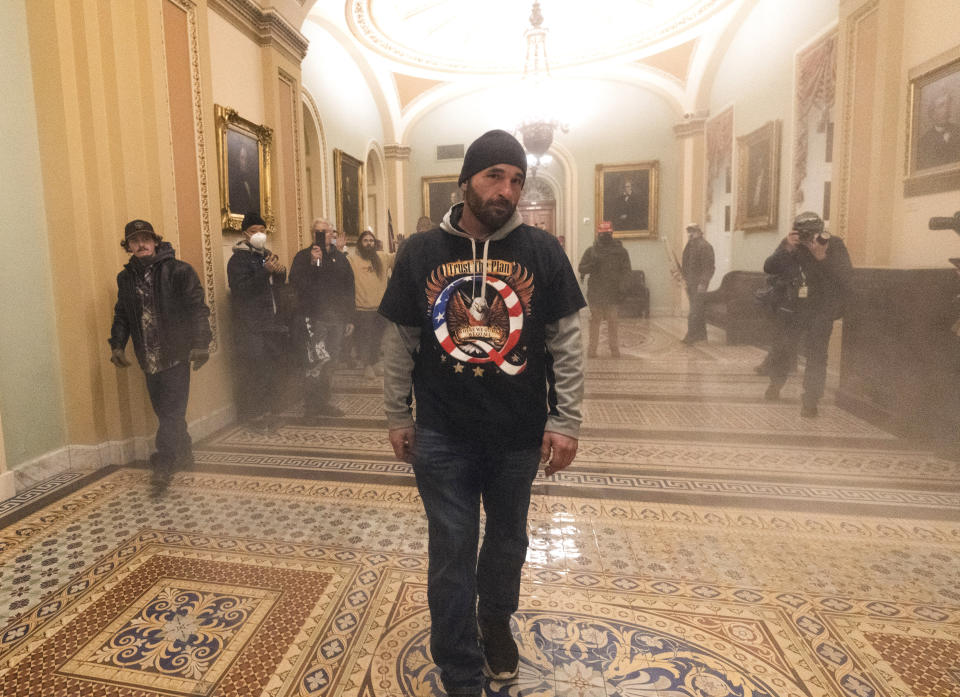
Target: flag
pixel 390 239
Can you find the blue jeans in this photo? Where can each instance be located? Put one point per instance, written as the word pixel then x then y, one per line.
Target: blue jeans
pixel 454 476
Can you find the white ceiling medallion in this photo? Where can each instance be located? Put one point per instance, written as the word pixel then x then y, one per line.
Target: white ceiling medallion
pixel 457 36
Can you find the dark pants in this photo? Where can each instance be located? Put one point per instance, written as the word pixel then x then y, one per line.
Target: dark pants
pixel 697 319
pixel 261 371
pixel 318 379
pixel 814 330
pixel 168 391
pixel 453 478
pixel 369 327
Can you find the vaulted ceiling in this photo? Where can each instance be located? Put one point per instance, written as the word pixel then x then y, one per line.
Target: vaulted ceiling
pixel 420 53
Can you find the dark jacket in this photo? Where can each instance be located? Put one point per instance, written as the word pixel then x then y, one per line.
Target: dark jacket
pixel 326 291
pixel 256 303
pixel 698 263
pixel 183 315
pixel 608 265
pixel 828 282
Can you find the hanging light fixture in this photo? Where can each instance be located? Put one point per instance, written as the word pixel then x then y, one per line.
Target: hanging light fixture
pixel 537 128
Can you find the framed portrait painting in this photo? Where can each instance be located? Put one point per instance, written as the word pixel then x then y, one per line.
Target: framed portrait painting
pixel 243 156
pixel 626 195
pixel 933 153
pixel 439 193
pixel 758 178
pixel 348 190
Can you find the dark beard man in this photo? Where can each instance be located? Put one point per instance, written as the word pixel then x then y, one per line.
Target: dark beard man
pixel 369 253
pixel 494 213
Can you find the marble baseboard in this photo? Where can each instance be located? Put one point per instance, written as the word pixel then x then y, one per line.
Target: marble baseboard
pixel 8 485
pixel 88 458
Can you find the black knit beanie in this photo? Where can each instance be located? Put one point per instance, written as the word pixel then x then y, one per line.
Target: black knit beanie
pixel 251 218
pixel 493 148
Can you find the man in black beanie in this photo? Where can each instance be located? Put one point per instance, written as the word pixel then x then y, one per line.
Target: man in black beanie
pixel 485 314
pixel 160 305
pixel 256 278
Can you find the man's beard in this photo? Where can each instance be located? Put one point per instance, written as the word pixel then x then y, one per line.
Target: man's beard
pixel 494 214
pixel 366 252
pixel 370 254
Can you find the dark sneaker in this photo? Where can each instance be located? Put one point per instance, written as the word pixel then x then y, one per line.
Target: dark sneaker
pixel 808 411
pixel 160 476
pixel 772 394
pixel 462 691
pixel 501 658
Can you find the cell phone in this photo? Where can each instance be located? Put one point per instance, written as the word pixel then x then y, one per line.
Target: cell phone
pixel 955 261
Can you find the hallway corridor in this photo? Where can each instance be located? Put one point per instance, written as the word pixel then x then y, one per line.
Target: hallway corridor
pixel 704 543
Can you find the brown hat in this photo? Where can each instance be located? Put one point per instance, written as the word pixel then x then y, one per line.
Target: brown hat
pixel 135 227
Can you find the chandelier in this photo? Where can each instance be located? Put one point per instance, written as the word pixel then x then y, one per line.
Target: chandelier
pixel 537 128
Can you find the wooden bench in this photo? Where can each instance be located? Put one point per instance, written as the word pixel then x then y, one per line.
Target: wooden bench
pixel 733 308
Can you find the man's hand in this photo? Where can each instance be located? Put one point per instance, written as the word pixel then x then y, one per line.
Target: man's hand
pixel 273 265
pixel 315 254
pixel 118 359
pixel 557 450
pixel 819 251
pixel 348 330
pixel 702 288
pixel 793 239
pixel 403 440
pixel 198 357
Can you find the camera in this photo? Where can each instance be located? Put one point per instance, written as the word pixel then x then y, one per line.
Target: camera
pixel 808 226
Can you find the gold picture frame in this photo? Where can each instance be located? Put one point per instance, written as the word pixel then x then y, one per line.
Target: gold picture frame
pixel 244 182
pixel 439 194
pixel 627 195
pixel 348 192
pixel 933 126
pixel 758 178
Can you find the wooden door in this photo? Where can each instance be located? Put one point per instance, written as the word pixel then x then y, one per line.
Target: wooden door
pixel 541 215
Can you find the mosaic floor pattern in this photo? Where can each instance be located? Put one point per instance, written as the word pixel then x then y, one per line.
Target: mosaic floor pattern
pixel 717 562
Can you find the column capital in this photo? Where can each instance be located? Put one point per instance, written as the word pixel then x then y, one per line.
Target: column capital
pixel 395 151
pixel 690 127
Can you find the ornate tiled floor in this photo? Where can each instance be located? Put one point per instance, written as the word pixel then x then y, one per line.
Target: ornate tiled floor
pixel 705 544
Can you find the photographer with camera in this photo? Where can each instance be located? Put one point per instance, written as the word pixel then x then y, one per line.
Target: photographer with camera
pixel 814 271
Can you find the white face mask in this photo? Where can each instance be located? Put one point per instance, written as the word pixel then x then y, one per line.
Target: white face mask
pixel 258 240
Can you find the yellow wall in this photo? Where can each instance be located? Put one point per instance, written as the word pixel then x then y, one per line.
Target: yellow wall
pixel 31 404
pixel 107 156
pixel 881 42
pixel 930 27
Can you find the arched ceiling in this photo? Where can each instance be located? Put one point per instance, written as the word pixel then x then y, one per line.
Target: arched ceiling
pixel 420 53
pixel 457 37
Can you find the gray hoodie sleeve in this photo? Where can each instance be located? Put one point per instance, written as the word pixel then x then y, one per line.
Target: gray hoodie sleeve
pixel 399 345
pixel 563 342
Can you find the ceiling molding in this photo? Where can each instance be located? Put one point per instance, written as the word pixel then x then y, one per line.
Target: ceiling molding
pixel 265 27
pixel 419 42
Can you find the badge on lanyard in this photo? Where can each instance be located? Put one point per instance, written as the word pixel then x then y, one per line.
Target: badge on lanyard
pixel 802 291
